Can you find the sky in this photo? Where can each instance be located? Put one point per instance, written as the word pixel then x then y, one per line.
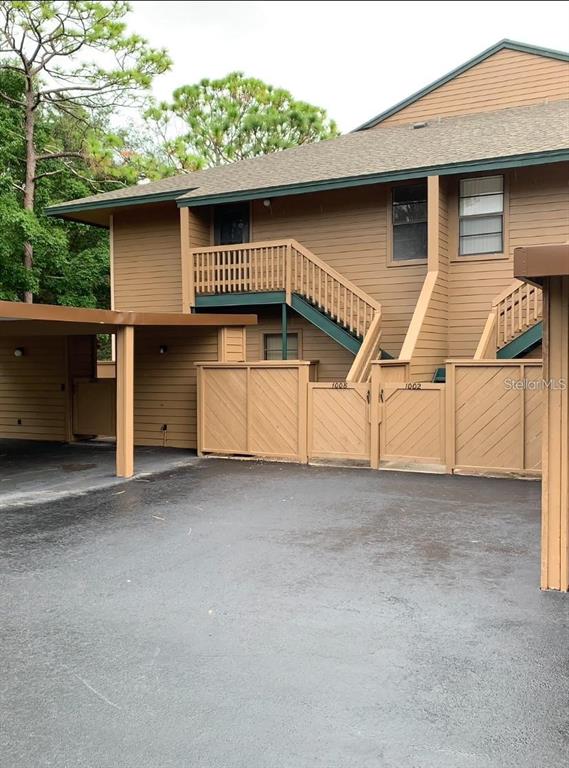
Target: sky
pixel 355 59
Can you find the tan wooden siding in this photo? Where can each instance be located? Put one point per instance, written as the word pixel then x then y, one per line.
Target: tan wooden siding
pixel 506 79
pixel 200 227
pixel 33 388
pixel 147 259
pixel 165 384
pixel 232 343
pixel 333 360
pixel 348 230
pixel 538 213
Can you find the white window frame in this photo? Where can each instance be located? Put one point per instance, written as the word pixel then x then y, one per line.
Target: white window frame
pixel 482 255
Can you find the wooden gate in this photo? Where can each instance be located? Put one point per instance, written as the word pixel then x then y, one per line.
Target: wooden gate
pixel 412 424
pixel 338 421
pixel 497 408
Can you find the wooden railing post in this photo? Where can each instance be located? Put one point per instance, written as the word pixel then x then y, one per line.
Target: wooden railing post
pixel 288 273
pixel 188 286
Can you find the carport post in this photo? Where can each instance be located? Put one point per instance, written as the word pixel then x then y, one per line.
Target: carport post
pixel 125 401
pixel 555 484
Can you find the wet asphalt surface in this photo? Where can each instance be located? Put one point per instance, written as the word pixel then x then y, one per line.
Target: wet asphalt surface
pixel 242 615
pixel 33 472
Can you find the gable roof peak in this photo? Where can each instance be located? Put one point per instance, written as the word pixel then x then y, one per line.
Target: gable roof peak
pixel 505 44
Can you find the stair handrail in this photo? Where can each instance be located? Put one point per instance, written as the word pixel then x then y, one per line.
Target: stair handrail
pixel 333 273
pixel 241 264
pixel 516 308
pixel 360 370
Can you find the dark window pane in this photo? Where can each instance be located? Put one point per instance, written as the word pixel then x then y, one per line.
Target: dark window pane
pixel 410 241
pixel 411 193
pixel 231 224
pixel 409 213
pixel 273 346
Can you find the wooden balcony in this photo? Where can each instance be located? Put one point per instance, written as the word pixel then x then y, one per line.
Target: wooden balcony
pixel 283 266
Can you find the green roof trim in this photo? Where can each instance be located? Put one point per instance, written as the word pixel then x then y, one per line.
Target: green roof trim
pixel 471 166
pixel 244 299
pixel 156 197
pixel 510 45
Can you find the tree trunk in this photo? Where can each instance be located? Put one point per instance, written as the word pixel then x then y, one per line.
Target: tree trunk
pixel 29 184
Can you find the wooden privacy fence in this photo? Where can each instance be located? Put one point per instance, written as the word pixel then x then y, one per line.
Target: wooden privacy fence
pixel 256 409
pixel 486 419
pixel 494 412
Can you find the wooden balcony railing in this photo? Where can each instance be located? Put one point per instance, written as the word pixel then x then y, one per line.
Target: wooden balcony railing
pixel 282 265
pixel 517 308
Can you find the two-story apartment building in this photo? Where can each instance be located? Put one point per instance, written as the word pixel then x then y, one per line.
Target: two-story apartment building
pixel 405 227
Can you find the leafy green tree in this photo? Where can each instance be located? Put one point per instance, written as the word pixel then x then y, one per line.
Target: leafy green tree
pixel 71 261
pixel 75 60
pixel 236 117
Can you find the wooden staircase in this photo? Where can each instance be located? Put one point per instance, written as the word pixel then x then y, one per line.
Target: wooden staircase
pixel 285 271
pixel 514 324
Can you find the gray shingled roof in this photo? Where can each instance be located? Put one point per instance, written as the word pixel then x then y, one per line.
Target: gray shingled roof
pixel 454 140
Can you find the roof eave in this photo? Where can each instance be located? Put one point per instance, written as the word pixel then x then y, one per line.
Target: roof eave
pixel 472 166
pixel 156 197
pixel 511 45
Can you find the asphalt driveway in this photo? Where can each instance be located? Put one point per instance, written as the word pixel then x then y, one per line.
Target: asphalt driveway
pixel 242 615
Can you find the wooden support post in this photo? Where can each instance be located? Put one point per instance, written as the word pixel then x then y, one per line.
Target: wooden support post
pixel 376 412
pixel 125 401
pixel 288 274
pixel 555 485
pixel 284 331
pixel 303 372
pixel 433 223
pixel 188 285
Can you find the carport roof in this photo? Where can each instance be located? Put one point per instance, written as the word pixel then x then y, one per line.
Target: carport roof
pixel 535 262
pixel 48 317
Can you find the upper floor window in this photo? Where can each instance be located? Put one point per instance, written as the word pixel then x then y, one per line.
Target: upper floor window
pixel 273 349
pixel 409 218
pixel 481 215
